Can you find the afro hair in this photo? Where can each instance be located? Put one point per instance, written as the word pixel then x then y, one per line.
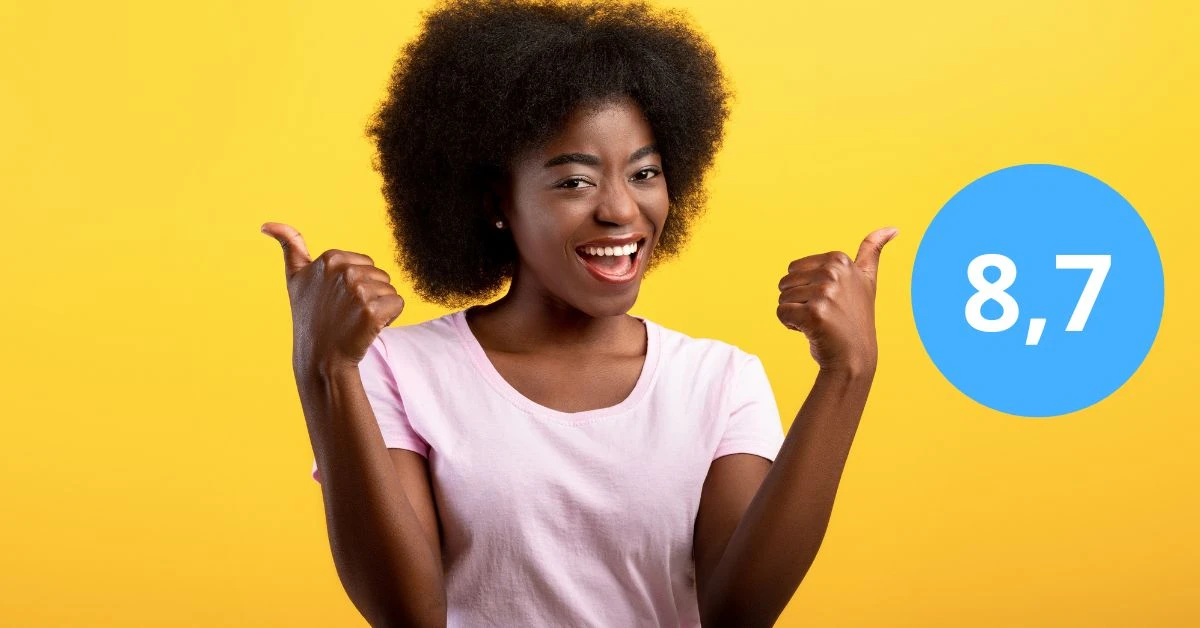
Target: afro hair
pixel 486 80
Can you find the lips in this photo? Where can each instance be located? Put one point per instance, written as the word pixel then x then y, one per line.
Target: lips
pixel 608 272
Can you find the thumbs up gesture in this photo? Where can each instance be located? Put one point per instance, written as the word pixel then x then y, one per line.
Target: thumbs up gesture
pixel 831 299
pixel 340 303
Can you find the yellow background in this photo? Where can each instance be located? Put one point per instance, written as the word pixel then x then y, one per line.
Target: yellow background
pixel 155 460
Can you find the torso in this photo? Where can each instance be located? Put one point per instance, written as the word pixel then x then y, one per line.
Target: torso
pixel 585 519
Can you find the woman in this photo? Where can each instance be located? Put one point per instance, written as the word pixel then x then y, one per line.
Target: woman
pixel 546 458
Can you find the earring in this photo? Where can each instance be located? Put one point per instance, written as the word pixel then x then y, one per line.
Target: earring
pixel 499 224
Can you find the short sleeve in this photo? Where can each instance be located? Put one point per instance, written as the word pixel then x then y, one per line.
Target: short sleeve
pixel 753 424
pixel 383 393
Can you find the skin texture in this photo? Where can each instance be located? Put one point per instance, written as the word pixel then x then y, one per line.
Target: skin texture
pixel 759 524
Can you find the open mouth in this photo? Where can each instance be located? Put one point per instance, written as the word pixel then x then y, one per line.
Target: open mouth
pixel 613 265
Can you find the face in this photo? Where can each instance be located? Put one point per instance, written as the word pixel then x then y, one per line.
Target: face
pixel 599 181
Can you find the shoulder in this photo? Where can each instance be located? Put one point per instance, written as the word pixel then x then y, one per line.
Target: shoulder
pixel 701 353
pixel 434 337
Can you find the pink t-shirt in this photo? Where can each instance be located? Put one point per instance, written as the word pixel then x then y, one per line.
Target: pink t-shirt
pixel 556 518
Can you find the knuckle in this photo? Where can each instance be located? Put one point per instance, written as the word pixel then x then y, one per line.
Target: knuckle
pixel 790 317
pixel 361 292
pixel 840 257
pixel 333 259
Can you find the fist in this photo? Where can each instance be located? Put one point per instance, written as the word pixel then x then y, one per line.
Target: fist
pixel 831 299
pixel 340 303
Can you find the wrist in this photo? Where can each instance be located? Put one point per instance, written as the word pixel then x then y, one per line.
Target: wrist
pixel 325 368
pixel 855 369
pixel 335 369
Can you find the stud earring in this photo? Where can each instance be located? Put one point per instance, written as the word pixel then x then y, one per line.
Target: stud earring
pixel 499 224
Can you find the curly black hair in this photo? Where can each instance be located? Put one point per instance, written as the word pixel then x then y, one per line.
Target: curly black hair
pixel 485 80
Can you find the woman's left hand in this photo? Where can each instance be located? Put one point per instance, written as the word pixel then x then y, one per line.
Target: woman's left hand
pixel 831 299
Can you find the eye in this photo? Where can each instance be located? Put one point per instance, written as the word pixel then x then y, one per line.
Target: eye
pixel 566 184
pixel 649 172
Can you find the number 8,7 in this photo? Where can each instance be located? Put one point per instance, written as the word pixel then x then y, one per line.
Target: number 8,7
pixel 995 291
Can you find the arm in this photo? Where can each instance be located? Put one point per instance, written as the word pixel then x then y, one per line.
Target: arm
pixel 831 299
pixel 750 563
pixel 384 538
pixel 378 509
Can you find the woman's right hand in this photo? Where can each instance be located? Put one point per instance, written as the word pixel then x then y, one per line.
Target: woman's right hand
pixel 340 303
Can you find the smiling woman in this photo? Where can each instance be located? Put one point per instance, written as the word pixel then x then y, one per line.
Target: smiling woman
pixel 486 83
pixel 550 459
pixel 604 189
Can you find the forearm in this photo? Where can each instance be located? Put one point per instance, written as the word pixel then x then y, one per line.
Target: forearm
pixel 778 537
pixel 381 553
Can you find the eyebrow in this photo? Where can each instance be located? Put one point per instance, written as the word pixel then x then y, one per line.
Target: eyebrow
pixel 592 160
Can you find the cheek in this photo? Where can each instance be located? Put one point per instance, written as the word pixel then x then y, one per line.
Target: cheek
pixel 658 206
pixel 542 242
pixel 532 227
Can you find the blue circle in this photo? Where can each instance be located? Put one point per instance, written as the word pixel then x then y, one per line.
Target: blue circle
pixel 1031 214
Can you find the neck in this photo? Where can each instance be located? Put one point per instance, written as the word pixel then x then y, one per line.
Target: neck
pixel 530 319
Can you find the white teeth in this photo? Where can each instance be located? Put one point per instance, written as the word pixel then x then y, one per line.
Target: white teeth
pixel 628 249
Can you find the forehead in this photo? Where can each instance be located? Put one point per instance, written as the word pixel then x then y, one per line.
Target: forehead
pixel 614 125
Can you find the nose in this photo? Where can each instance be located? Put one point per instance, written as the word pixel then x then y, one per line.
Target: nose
pixel 617 205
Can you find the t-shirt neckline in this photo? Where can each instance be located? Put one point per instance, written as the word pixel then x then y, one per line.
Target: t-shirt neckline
pixel 485 367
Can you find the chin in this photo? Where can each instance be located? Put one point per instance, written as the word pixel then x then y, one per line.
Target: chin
pixel 617 305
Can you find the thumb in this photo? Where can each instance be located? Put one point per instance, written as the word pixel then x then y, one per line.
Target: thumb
pixel 868 252
pixel 295 253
